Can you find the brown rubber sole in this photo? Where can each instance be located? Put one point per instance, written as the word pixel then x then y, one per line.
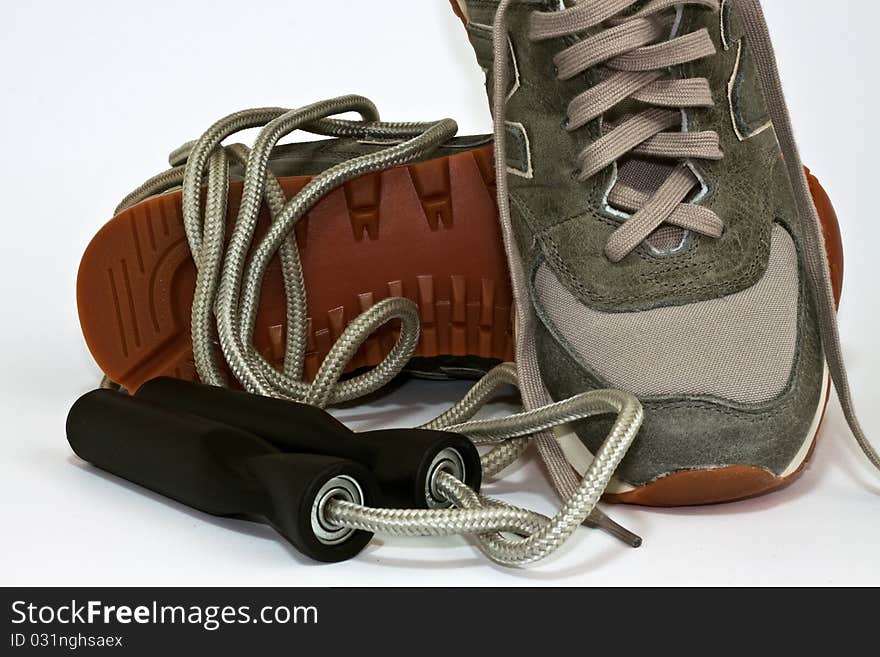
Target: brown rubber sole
pixel 428 232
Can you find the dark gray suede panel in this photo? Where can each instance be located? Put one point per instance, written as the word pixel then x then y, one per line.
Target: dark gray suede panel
pixel 736 189
pixel 568 222
pixel 518 150
pixel 693 432
pixel 749 112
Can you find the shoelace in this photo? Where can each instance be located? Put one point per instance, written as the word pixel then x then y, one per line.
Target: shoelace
pixel 635 50
pixel 228 291
pixel 634 53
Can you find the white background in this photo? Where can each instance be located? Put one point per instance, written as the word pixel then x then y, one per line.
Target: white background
pixel 96 93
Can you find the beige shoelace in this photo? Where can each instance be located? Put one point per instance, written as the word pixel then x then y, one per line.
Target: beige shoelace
pixel 635 67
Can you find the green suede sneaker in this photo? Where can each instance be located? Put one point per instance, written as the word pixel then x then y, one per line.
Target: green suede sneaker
pixel 663 239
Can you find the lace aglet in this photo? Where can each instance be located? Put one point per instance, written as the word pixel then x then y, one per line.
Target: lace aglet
pixel 598 520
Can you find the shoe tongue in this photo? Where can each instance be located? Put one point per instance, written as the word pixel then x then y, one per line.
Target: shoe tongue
pixel 638 6
pixel 665 17
pixel 647 176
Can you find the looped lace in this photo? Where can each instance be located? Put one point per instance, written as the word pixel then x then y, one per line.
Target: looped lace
pixel 632 52
pixel 228 285
pixel 488 520
pixel 227 296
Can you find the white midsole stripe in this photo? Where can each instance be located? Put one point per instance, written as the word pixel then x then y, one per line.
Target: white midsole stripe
pixel 801 456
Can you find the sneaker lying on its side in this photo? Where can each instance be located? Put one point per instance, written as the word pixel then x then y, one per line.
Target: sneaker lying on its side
pixel 663 239
pixel 426 230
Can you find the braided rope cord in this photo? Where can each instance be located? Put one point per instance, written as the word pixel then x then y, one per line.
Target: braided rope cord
pixel 228 293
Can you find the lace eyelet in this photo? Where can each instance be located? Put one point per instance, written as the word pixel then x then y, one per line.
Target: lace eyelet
pixel 576 174
pixel 566 123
